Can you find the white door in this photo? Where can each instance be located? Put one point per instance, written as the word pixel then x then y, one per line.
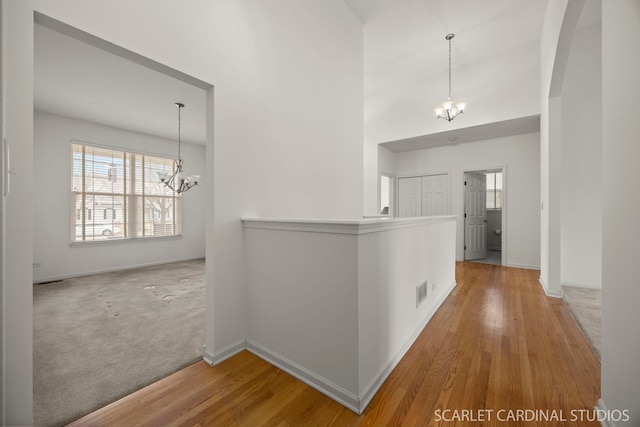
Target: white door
pixel 408 197
pixel 475 216
pixel 423 195
pixel 435 195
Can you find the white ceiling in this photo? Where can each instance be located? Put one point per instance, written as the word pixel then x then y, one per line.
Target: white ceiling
pixel 405 56
pixel 75 79
pixel 78 80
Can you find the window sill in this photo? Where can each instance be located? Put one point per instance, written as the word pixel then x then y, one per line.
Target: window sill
pixel 122 241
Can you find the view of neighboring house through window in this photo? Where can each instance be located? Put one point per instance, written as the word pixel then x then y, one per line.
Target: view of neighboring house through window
pixel 117 195
pixel 494 190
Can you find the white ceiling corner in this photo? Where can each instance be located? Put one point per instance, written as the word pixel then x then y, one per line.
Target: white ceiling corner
pixel 361 8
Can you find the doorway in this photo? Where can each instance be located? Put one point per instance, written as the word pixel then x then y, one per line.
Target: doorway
pixel 198 96
pixel 484 216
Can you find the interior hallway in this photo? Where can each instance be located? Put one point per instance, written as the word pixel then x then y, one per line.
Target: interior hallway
pixel 496 343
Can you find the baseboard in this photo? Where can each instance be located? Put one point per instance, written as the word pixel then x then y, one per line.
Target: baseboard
pixel 547 292
pixel 222 355
pixel 583 286
pixel 353 402
pixel 324 386
pixel 374 385
pixel 109 270
pixel 525 266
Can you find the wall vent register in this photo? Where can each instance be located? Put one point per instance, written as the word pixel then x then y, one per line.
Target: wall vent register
pixel 421 293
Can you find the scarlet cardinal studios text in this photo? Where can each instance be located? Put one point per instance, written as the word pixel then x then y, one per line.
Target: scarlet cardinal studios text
pixel 508 415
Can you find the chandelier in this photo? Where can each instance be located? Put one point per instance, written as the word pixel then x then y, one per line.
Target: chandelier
pixel 449 110
pixel 178 181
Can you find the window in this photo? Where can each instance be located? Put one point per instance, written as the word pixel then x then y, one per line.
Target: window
pixel 385 194
pixel 494 190
pixel 117 195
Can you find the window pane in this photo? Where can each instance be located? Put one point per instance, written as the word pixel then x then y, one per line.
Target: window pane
pixel 99 222
pixel 152 184
pixel 494 190
pixel 498 199
pixel 491 181
pixel 160 216
pixel 385 188
pixel 118 195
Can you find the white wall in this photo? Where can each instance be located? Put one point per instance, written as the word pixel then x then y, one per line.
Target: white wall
pixel 303 300
pixel 402 89
pixel 391 264
pixel 2 225
pixel 52 165
pixel 551 72
pixel 620 234
pixel 520 155
pixel 581 217
pixel 18 233
pixel 386 161
pixel 288 79
pixel 334 302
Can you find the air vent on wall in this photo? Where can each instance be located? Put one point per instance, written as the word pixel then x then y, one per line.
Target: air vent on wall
pixel 421 293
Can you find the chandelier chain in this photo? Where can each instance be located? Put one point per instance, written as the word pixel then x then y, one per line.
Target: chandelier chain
pixel 178 181
pixel 179 128
pixel 450 110
pixel 450 67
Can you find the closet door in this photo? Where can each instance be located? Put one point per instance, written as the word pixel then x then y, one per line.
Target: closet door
pixel 435 195
pixel 409 197
pixel 423 195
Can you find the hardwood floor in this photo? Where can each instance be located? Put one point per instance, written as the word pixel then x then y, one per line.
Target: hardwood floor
pixel 496 344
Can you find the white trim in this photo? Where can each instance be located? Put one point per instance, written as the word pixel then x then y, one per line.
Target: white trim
pixel 354 227
pixel 324 386
pixel 88 243
pixel 602 407
pixel 547 292
pixel 353 402
pixel 374 386
pixel 224 354
pixel 503 239
pixel 420 175
pixel 392 192
pixel 527 266
pixel 109 270
pixel 505 231
pixel 583 286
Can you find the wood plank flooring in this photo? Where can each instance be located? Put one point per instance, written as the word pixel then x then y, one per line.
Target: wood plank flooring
pixel 496 344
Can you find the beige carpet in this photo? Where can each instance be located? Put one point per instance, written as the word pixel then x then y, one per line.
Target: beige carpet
pixel 586 306
pixel 99 338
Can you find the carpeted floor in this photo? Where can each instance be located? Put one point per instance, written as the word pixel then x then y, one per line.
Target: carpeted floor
pixel 586 306
pixel 99 338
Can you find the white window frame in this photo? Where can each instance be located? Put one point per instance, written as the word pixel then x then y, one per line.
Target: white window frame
pixel 392 184
pixel 133 195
